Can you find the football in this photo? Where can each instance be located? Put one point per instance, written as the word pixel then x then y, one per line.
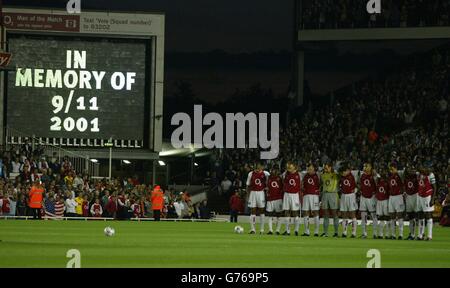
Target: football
pixel 109 231
pixel 239 229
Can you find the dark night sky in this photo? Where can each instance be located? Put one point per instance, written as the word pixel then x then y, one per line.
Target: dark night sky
pixel 238 26
pixel 203 25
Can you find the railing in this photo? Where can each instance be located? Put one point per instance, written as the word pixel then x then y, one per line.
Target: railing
pixel 80 163
pixel 112 219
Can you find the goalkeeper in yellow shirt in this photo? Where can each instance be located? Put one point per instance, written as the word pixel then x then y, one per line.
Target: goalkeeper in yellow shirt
pixel 330 198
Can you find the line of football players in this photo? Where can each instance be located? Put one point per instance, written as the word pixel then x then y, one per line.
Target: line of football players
pixel 385 196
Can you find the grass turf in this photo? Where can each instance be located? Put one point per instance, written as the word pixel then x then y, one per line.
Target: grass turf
pixel 187 244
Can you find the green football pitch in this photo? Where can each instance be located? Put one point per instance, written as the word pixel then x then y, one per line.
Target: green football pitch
pixel 192 244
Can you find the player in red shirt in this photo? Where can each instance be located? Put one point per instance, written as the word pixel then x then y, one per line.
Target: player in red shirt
pixel 411 188
pixel 382 196
pixel 396 202
pixel 348 205
pixel 310 205
pixel 274 205
pixel 367 202
pixel 256 185
pixel 291 198
pixel 425 208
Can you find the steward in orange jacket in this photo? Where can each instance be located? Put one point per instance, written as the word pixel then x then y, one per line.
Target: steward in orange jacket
pixel 157 199
pixel 36 195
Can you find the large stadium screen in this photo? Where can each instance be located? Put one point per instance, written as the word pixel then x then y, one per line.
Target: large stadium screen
pixel 79 88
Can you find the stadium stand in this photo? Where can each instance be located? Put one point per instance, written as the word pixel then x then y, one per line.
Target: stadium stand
pixel 399 117
pixel 327 14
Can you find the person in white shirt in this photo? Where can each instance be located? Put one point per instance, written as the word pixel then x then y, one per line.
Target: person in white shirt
pixel 15 166
pixel 179 207
pixel 71 204
pixel 43 164
pixel 78 181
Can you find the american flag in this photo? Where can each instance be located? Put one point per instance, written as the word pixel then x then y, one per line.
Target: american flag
pixel 49 206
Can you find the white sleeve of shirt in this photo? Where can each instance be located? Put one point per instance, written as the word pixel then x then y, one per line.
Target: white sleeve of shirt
pixel 267 174
pixel 355 174
pixel 302 175
pixel 283 175
pixel 249 178
pixel 432 178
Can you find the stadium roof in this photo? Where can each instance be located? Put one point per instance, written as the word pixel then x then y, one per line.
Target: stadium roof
pixel 169 150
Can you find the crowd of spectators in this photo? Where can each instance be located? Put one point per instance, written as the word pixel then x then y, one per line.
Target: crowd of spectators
pixel 401 117
pixel 74 194
pixel 331 14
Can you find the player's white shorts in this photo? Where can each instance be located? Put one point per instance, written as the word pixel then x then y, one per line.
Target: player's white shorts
pixel 274 205
pixel 291 202
pixel 382 208
pixel 367 204
pixel 310 203
pixel 423 204
pixel 257 199
pixel 396 204
pixel 348 203
pixel 411 203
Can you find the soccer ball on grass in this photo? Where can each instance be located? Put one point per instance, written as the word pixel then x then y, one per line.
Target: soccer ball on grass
pixel 109 231
pixel 238 229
